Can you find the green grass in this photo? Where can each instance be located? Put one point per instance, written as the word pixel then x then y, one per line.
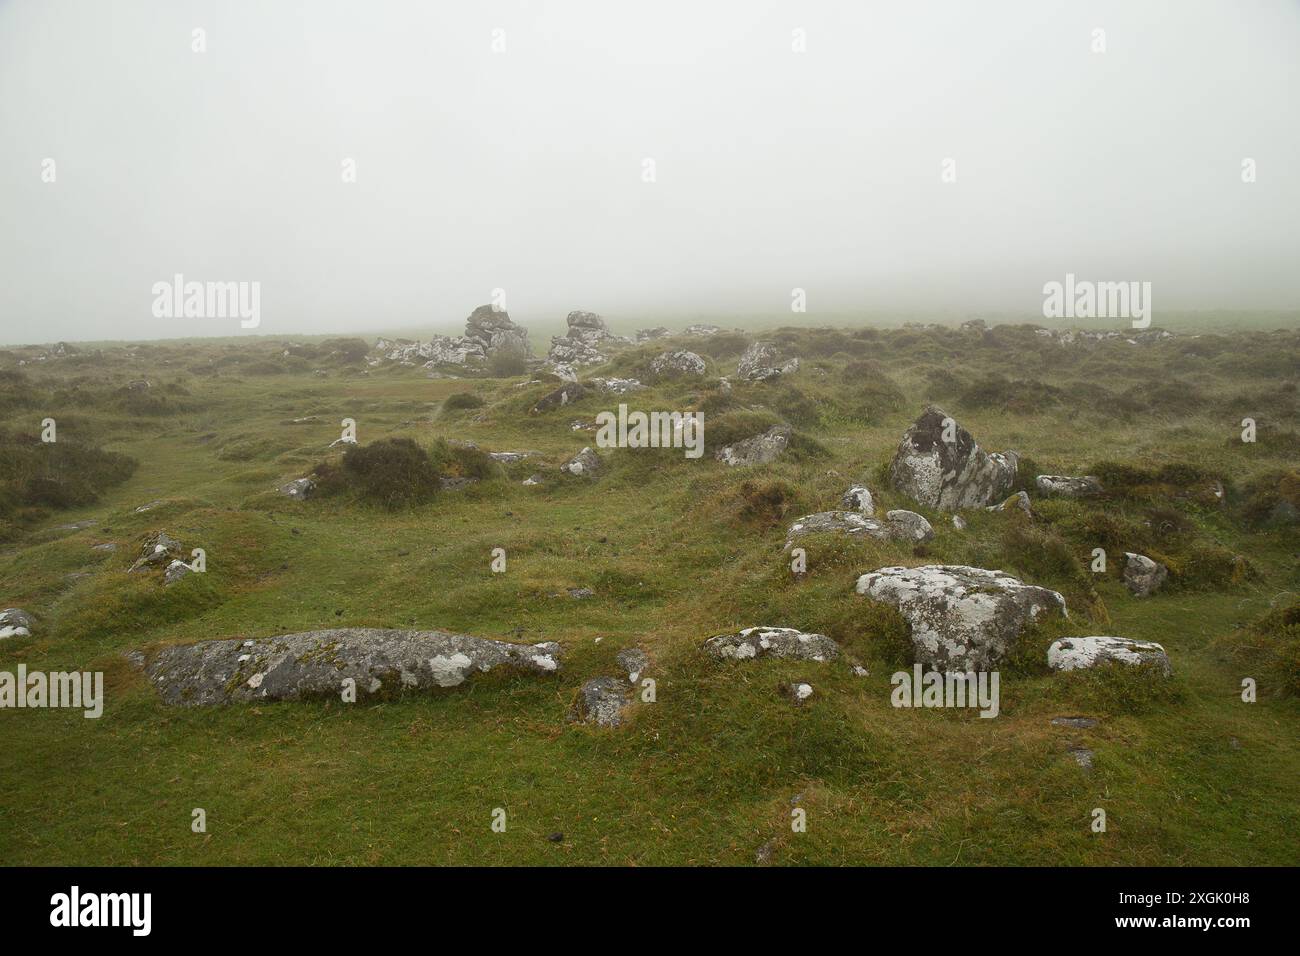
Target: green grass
pixel 676 551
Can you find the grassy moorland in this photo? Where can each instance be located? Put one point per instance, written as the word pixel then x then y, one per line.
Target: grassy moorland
pixel 675 551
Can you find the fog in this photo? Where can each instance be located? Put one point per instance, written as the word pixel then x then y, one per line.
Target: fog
pixel 524 169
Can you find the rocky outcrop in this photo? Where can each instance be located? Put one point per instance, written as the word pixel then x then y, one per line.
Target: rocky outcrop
pixel 897 526
pixel 15 622
pixel 1081 653
pixel 961 618
pixel 939 465
pixel 761 363
pixel 648 335
pixel 1143 576
pixel 1064 486
pixel 487 333
pixel 316 664
pixel 785 642
pixel 760 450
pixel 585 463
pixel 677 363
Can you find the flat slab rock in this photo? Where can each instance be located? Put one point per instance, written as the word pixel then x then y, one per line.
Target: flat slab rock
pixel 1082 653
pixel 962 618
pixel 897 526
pixel 314 664
pixel 785 642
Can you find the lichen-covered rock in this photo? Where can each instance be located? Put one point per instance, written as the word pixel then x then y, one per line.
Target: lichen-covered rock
pixel 797 692
pixel 15 622
pixel 760 450
pixel 1017 502
pixel 760 363
pixel 1065 486
pixel 897 526
pixel 940 466
pixel 634 661
pixel 772 642
pixel 616 386
pixel 584 463
pixel 678 362
pixel 158 551
pixel 658 332
pixel 858 498
pixel 1078 653
pixel 298 489
pixel 315 664
pixel 1142 575
pixel 566 394
pixel 601 701
pixel 701 329
pixel 961 618
pixel 909 526
pixel 175 571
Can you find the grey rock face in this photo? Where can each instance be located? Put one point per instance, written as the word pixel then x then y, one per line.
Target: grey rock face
pixel 573 353
pixel 962 618
pixel 797 692
pixel 701 328
pixel 158 551
pixel 1078 653
pixel 1142 575
pixel 658 332
pixel 760 363
pixel 760 450
pixel 858 498
pixel 897 526
pixel 1064 486
pixel 298 489
pixel 315 664
pixel 584 463
pixel 677 362
pixel 772 642
pixel 494 332
pixel 586 320
pixel 566 393
pixel 15 622
pixel 949 475
pixel 602 700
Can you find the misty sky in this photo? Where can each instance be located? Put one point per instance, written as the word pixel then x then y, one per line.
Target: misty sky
pixel 523 169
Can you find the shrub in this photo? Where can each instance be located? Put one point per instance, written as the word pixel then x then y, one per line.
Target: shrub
pixel 36 475
pixel 391 472
pixel 1271 647
pixel 462 400
pixel 767 504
